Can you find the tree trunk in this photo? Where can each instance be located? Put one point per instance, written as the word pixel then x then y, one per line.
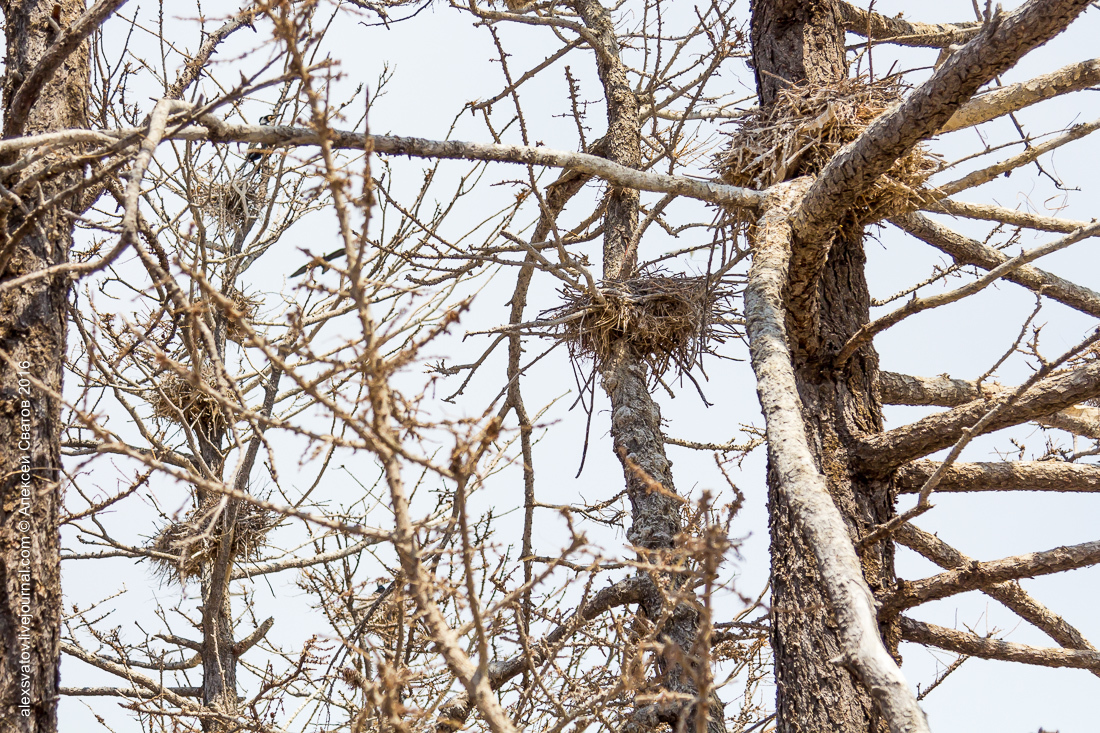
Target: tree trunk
pixel 796 43
pixel 219 659
pixel 635 417
pixel 32 352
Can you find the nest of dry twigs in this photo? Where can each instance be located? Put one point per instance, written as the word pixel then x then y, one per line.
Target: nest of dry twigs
pixel 193 541
pixel 667 320
pixel 230 202
pixel 244 310
pixel 804 129
pixel 176 397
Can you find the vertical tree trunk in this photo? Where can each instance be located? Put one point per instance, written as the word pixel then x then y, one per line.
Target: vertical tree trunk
pixel 32 349
pixel 635 417
pixel 797 43
pixel 219 660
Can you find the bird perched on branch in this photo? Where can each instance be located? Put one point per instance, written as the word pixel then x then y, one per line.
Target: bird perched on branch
pixel 257 151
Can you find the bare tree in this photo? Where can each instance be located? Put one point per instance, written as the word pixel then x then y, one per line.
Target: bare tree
pixel 346 435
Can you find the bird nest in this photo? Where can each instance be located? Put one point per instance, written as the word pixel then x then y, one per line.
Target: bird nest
pixel 806 126
pixel 666 320
pixel 193 542
pixel 244 310
pixel 180 399
pixel 230 202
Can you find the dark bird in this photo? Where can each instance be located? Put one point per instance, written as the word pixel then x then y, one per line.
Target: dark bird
pixel 256 151
pixel 314 262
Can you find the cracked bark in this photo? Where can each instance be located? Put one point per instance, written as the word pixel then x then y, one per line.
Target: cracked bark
pixel 997 47
pixel 815 566
pixel 32 330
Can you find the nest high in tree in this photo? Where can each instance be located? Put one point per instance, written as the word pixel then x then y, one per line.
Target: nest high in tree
pixel 193 541
pixel 806 126
pixel 667 320
pixel 177 397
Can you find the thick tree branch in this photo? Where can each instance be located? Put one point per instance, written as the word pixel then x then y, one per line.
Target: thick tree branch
pixel 903 32
pixel 128 692
pixel 1002 215
pixel 973 645
pixel 903 389
pixel 883 452
pixel 1002 476
pixel 799 478
pixel 982 575
pixel 1010 594
pixel 1031 153
pixel 284 136
pixel 971 252
pixel 998 46
pixel 918 305
pixel 1015 97
pixel 943 391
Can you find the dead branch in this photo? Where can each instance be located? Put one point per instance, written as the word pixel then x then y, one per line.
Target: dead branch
pixel 1002 476
pixel 976 646
pixel 981 575
pixel 1010 594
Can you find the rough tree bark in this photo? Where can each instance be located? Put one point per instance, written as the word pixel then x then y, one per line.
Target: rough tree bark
pixel 635 417
pixel 32 351
pixel 795 43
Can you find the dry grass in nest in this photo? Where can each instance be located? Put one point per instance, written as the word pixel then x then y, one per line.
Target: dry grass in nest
pixel 176 396
pixel 193 541
pixel 667 320
pixel 804 129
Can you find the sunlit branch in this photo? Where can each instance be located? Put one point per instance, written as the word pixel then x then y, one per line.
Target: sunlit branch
pixel 799 477
pixel 1010 593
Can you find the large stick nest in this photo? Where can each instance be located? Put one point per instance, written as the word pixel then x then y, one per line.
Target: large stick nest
pixel 667 320
pixel 178 398
pixel 806 126
pixel 193 542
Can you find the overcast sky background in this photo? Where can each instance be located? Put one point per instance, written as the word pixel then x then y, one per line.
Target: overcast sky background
pixel 439 63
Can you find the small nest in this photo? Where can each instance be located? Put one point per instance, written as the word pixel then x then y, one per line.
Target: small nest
pixel 176 396
pixel 667 320
pixel 244 310
pixel 231 202
pixel 193 542
pixel 804 129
